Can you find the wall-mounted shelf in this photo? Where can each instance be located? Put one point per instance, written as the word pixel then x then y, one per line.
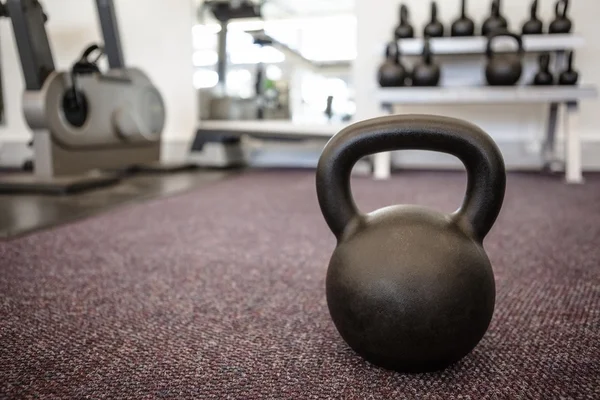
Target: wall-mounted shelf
pixel 477 44
pixel 485 94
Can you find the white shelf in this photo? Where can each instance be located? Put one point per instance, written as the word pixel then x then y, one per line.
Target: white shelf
pixel 271 129
pixel 477 44
pixel 485 94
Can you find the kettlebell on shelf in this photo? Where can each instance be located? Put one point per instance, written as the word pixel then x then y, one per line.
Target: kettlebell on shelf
pixel 463 26
pixel 543 77
pixel 434 28
pixel 503 69
pixel 495 22
pixel 409 288
pixel 392 73
pixel 534 26
pixel 427 72
pixel 561 23
pixel 569 76
pixel 404 30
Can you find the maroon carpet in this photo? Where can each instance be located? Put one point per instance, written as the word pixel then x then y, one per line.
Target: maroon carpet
pixel 219 293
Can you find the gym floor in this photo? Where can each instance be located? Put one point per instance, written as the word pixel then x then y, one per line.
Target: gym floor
pixel 213 287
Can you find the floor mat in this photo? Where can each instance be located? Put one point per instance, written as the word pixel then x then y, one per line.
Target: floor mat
pixel 22 214
pixel 219 293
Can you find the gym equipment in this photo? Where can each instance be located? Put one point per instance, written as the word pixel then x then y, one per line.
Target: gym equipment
pixel 534 26
pixel 82 120
pixel 561 23
pixel 543 77
pixel 569 76
pixel 503 69
pixel 404 29
pixel 463 26
pixel 409 288
pixel 495 22
pixel 426 73
pixel 392 73
pixel 434 28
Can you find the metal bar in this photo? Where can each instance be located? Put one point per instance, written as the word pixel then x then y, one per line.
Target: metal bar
pixel 222 52
pixel 110 32
pixel 27 17
pixel 549 153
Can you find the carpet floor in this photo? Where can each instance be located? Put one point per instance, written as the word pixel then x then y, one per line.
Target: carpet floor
pixel 219 294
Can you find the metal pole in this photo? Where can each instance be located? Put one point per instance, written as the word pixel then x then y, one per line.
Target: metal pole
pixel 222 51
pixel 110 32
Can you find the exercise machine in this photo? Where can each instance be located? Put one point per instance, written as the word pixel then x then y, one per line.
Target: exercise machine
pixel 88 126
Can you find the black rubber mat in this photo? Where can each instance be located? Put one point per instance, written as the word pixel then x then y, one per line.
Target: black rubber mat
pixel 21 214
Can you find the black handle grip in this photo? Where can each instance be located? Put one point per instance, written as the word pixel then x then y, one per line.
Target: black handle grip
pixel 489 52
pixel 477 151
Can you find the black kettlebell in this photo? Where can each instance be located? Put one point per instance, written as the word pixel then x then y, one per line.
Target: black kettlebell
pixel 392 73
pixel 426 73
pixel 495 22
pixel 404 29
pixel 534 26
pixel 561 23
pixel 434 28
pixel 569 76
pixel 463 26
pixel 503 69
pixel 409 288
pixel 543 77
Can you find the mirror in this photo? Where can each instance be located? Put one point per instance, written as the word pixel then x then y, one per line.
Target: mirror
pixel 275 59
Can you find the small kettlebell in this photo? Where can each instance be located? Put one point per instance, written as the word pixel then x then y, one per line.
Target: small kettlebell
pixel 404 29
pixel 409 288
pixel 426 73
pixel 434 28
pixel 543 77
pixel 569 76
pixel 495 22
pixel 503 69
pixel 392 73
pixel 561 23
pixel 463 26
pixel 534 26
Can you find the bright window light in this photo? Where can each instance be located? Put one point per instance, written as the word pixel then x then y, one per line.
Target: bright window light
pixel 205 78
pixel 205 58
pixel 274 73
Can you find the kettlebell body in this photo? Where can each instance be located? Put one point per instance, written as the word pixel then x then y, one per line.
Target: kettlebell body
pixel 543 77
pixel 463 26
pixel 561 23
pixel 503 69
pixel 392 73
pixel 533 26
pixel 434 28
pixel 569 76
pixel 409 288
pixel 427 72
pixel 404 29
pixel 495 22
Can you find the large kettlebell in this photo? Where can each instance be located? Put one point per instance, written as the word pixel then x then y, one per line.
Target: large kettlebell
pixel 404 30
pixel 409 288
pixel 495 22
pixel 561 23
pixel 427 72
pixel 392 73
pixel 503 69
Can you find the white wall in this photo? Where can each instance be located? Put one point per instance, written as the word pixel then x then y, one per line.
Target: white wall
pixel 525 124
pixel 156 37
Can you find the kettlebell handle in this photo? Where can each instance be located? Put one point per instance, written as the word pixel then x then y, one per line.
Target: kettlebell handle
pixel 476 150
pixel 489 52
